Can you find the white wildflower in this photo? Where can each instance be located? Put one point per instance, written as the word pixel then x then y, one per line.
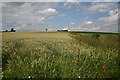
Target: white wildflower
pixel 29 77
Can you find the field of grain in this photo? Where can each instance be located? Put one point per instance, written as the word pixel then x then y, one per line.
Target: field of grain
pixel 58 55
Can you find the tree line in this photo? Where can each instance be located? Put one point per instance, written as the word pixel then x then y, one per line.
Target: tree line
pixel 12 30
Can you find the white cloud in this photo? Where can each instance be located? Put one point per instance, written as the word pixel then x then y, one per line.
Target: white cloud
pixel 113 16
pixel 86 22
pixel 65 3
pixel 101 7
pixel 40 19
pixel 98 6
pixel 94 29
pixel 65 28
pixel 49 11
pixel 17 28
pixel 89 22
pixel 71 3
pixel 29 14
pixel 25 14
pixel 109 23
pixel 72 23
pixel 113 12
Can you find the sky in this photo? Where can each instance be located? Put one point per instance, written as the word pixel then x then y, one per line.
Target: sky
pixel 73 16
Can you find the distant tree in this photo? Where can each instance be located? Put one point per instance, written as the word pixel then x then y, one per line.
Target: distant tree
pixel 12 30
pixel 46 29
pixel 6 31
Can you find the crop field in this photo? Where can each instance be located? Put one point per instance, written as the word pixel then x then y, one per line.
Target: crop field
pixel 59 55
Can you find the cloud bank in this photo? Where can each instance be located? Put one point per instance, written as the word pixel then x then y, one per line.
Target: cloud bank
pixel 74 16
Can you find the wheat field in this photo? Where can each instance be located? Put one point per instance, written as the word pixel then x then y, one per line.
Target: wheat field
pixel 57 55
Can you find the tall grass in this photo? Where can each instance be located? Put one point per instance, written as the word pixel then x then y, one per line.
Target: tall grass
pixel 55 55
pixel 97 39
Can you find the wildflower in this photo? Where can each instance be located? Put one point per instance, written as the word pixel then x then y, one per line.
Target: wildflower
pixel 29 77
pixel 103 67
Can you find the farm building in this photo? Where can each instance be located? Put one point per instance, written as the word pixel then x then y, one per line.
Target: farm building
pixel 62 30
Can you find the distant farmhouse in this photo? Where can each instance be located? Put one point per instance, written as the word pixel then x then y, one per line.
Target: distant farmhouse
pixel 63 30
pixel 12 30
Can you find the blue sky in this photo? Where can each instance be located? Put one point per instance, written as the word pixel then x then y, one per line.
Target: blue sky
pixel 74 16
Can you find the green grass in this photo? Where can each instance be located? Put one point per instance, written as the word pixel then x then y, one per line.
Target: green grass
pixel 51 55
